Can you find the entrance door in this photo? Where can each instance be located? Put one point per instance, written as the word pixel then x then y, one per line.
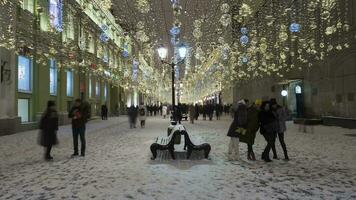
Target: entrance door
pixel 23 109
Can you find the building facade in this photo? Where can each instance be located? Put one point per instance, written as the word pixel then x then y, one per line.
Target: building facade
pixel 59 50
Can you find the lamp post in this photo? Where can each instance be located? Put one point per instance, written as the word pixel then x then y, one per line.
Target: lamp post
pixel 162 52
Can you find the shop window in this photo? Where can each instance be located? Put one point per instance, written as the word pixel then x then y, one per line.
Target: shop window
pixel 23 109
pixel 97 89
pixel 69 83
pixel 52 77
pixel 28 5
pixel 24 74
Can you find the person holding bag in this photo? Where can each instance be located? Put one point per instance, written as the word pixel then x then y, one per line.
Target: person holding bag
pixel 237 128
pixel 49 128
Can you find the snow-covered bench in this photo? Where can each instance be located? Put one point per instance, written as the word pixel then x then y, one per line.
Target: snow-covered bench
pixel 202 146
pixel 164 143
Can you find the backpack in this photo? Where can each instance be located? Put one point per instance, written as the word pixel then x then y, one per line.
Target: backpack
pixel 142 112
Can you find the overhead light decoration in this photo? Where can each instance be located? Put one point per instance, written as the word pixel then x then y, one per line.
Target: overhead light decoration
pixel 244 40
pixel 125 53
pixel 103 35
pixel 174 31
pixel 294 28
pixel 244 31
pixel 244 59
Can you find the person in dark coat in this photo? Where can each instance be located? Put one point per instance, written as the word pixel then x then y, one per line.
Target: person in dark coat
pixel 196 111
pixel 80 113
pixel 49 128
pixel 132 116
pixel 267 128
pixel 104 112
pixel 251 129
pixel 282 116
pixel 240 121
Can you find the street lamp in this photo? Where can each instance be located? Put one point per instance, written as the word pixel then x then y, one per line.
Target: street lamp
pixel 162 53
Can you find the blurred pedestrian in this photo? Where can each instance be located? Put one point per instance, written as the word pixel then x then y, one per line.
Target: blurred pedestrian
pixel 142 115
pixel 49 128
pixel 191 113
pixel 164 111
pixel 104 112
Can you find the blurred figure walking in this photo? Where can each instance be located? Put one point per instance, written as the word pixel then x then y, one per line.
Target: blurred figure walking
pixel 104 112
pixel 49 128
pixel 142 112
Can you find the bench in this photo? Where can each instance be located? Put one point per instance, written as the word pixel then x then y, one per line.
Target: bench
pixel 305 123
pixel 164 143
pixel 174 127
pixel 192 147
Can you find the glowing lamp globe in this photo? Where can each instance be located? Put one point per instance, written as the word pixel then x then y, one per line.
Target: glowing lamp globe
pixel 162 53
pixel 294 28
pixel 182 51
pixel 284 93
pixel 244 30
pixel 244 40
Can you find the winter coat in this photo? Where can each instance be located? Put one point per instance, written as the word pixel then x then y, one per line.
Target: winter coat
pixel 240 120
pixel 164 110
pixel 267 122
pixel 252 126
pixel 49 128
pixel 191 112
pixel 79 116
pixel 142 113
pixel 282 117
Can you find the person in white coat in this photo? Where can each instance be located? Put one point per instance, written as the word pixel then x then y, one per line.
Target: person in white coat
pixel 164 111
pixel 142 115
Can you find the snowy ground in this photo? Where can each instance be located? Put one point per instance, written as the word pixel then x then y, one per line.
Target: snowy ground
pixel 118 166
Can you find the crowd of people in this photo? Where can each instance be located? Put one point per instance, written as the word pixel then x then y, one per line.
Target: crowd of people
pixel 267 116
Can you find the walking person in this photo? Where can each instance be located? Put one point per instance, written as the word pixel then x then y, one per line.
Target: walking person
pixel 131 112
pixel 239 123
pixel 164 111
pixel 192 113
pixel 282 116
pixel 267 128
pixel 80 114
pixel 142 115
pixel 49 128
pixel 104 112
pixel 196 111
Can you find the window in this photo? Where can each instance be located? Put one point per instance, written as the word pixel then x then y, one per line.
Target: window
pixel 105 91
pixel 97 89
pixel 90 87
pixel 52 77
pixel 55 14
pixel 69 83
pixel 23 109
pixel 43 21
pixel 24 74
pixel 28 5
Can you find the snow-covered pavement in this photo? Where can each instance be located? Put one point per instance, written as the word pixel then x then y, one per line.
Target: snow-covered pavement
pixel 118 166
